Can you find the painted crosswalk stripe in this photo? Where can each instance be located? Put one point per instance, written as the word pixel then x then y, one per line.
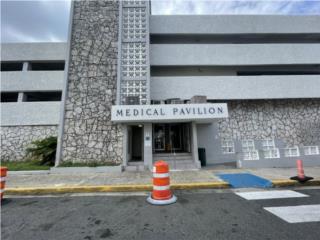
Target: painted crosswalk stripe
pixel 297 214
pixel 274 194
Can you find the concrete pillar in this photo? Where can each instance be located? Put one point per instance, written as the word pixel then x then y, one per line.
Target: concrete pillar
pixel 20 97
pixel 147 143
pixel 125 145
pixel 195 145
pixel 25 66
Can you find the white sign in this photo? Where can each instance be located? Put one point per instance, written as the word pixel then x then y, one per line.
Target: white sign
pixel 168 112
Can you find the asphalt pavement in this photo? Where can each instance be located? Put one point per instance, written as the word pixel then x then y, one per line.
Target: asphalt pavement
pixel 206 214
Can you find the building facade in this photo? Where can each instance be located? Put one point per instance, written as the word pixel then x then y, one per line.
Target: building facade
pixel 32 76
pixel 140 87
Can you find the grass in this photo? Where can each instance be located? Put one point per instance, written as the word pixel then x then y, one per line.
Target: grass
pixel 89 164
pixel 24 166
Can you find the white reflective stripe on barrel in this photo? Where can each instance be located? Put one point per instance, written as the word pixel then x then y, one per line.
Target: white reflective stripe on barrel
pixel 160 188
pixel 3 179
pixel 160 175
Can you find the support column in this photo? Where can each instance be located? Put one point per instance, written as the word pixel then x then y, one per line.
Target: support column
pixel 195 145
pixel 25 66
pixel 20 97
pixel 125 144
pixel 147 143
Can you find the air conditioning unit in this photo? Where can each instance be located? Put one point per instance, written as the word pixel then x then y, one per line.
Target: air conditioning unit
pixel 132 100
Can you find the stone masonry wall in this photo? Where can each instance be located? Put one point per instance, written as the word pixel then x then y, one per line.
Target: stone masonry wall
pixel 15 140
pixel 296 122
pixel 89 134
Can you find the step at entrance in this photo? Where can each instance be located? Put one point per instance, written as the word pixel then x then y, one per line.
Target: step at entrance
pixel 178 161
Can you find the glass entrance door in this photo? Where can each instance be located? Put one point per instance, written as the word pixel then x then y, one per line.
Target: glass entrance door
pixel 159 137
pixel 175 136
pixel 171 137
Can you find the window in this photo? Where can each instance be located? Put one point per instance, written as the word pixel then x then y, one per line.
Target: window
pixel 227 146
pixel 252 155
pixel 271 153
pixel 269 149
pixel 311 150
pixel 11 66
pixel 248 146
pixel 268 144
pixel 249 151
pixel 292 152
pixel 41 96
pixel 46 66
pixel 9 96
pixel 157 102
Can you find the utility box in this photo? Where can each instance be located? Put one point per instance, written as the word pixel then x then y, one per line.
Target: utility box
pixel 202 156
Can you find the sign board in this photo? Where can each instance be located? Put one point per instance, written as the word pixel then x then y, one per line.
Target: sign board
pixel 169 112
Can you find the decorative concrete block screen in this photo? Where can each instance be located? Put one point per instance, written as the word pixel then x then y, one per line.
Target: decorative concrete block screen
pixel 134 70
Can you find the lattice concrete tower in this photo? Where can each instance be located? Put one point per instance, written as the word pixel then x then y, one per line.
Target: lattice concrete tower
pixel 133 57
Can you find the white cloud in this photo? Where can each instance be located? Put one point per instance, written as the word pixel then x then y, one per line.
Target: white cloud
pixel 15 35
pixel 284 7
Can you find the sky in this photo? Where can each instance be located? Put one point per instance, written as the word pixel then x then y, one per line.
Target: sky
pixel 47 20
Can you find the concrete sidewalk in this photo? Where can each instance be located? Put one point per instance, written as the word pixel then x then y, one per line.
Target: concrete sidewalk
pixel 134 181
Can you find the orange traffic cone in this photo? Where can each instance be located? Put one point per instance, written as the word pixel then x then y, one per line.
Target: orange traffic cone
pixel 3 180
pixel 301 177
pixel 161 193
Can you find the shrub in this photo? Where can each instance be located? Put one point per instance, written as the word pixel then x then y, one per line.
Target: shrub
pixel 43 151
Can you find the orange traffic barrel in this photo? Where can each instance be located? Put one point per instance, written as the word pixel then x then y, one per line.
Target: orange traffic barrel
pixel 161 193
pixel 3 180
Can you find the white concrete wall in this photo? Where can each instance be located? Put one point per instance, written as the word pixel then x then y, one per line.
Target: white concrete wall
pixel 33 51
pixel 233 54
pixel 208 138
pixel 30 113
pixel 236 87
pixel 243 24
pixel 32 81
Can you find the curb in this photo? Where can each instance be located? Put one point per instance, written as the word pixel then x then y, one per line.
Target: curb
pixel 292 183
pixel 110 188
pixel 142 187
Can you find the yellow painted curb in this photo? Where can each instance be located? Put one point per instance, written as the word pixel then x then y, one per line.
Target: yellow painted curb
pixel 200 185
pixel 109 188
pixel 140 187
pixel 289 183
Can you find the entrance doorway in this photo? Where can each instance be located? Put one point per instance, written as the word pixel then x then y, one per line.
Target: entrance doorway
pixel 171 137
pixel 135 143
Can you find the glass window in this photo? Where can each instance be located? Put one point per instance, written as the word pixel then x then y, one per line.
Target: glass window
pixel 268 144
pixel 291 152
pixel 252 155
pixel 227 146
pixel 248 146
pixel 271 153
pixel 311 150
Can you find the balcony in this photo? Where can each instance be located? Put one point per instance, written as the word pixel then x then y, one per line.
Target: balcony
pixel 30 113
pixel 236 87
pixel 233 54
pixel 32 81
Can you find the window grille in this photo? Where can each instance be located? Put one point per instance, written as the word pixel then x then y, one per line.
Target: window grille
pixel 227 146
pixel 248 146
pixel 311 150
pixel 291 152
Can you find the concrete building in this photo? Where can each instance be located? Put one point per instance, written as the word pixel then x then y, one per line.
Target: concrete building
pixel 31 86
pixel 139 88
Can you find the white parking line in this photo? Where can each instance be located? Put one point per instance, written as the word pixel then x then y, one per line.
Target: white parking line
pixel 273 194
pixel 297 214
